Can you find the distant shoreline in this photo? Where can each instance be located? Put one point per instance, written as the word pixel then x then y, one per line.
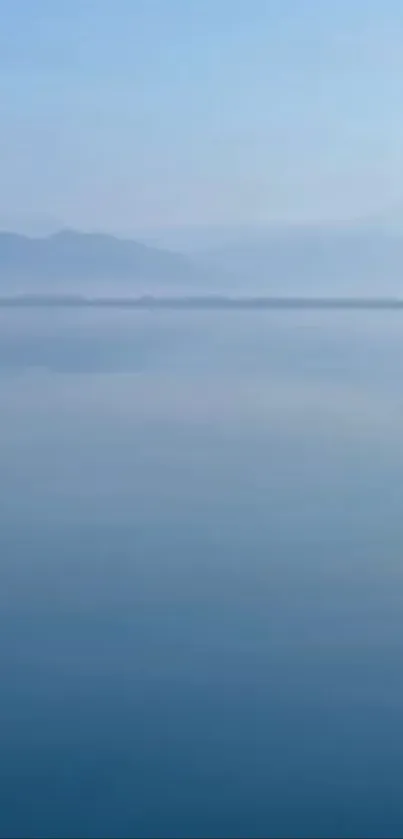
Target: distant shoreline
pixel 201 303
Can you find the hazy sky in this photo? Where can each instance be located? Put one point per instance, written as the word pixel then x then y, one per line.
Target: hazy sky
pixel 156 113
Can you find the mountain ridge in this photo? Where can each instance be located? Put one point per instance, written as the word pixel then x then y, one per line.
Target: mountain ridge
pixel 78 261
pixel 352 260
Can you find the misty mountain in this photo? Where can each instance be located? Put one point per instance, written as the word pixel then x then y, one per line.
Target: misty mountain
pixel 79 262
pixel 338 261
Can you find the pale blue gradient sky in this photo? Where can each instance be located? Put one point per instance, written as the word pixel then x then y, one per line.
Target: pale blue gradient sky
pixel 155 113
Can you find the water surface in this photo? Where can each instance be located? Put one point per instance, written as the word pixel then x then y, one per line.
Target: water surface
pixel 201 575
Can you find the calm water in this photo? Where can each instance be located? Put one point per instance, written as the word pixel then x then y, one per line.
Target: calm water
pixel 201 574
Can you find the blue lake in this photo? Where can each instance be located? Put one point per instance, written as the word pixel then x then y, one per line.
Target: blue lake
pixel 201 574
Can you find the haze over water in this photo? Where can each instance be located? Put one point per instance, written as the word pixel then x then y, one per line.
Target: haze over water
pixel 201 579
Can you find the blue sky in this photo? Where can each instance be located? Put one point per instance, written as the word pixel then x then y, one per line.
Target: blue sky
pixel 145 114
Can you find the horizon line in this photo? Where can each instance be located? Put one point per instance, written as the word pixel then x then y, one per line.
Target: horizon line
pixel 251 302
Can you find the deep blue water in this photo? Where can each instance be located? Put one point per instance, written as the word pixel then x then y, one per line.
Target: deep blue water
pixel 201 574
